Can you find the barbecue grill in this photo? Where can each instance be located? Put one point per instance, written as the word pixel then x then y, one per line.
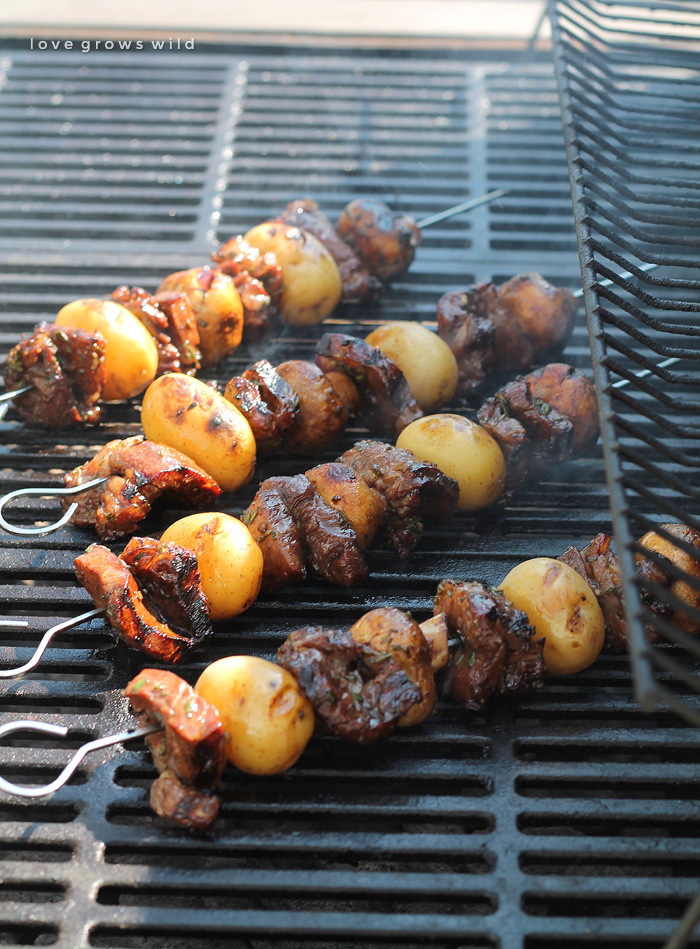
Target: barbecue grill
pixel 565 817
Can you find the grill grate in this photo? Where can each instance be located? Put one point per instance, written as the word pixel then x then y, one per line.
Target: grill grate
pixel 565 817
pixel 629 82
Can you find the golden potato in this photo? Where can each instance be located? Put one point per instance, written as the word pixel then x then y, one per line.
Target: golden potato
pixel 217 308
pixel 426 361
pixel 185 413
pixel 312 284
pixel 680 558
pixel 131 357
pixel 464 451
pixel 562 608
pixel 268 718
pixel 230 562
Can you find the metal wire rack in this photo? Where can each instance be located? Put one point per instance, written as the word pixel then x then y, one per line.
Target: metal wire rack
pixel 629 82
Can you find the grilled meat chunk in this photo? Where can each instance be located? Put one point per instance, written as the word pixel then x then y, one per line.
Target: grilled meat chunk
pixel 193 742
pixel 385 242
pixel 182 328
pixel 663 570
pixel 569 392
pixel 358 693
pixel 363 507
pixel 599 566
pixel 532 435
pixel 396 634
pixel 174 801
pixel 258 279
pixel 545 313
pixel 109 582
pixel 387 404
pixel 138 472
pixel 268 402
pixel 464 323
pixel 499 654
pixel 330 544
pixel 168 576
pixel 272 526
pixel 412 489
pixel 169 319
pixel 321 417
pixel 359 286
pixel 66 368
pixel 189 751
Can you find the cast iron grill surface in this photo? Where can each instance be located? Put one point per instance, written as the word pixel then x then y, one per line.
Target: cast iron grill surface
pixel 630 83
pixel 562 818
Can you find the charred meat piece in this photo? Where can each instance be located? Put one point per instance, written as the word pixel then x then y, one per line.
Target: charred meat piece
pixel 268 402
pixel 396 634
pixel 168 576
pixel 412 489
pixel 258 279
pixel 139 302
pixel 387 404
pixel 139 471
pixel 66 368
pixel 359 694
pixel 385 242
pixel 321 417
pixel 669 567
pixel 110 583
pixel 189 751
pixel 192 744
pixel 464 322
pixel 272 526
pixel 363 507
pixel 599 566
pixel 532 435
pixel 499 654
pixel 544 313
pixel 569 392
pixel 182 328
pixel 330 544
pixel 359 286
pixel 175 801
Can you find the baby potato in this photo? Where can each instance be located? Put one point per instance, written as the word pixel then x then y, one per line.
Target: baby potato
pixel 185 413
pixel 268 718
pixel 464 451
pixel 230 562
pixel 131 357
pixel 426 361
pixel 217 308
pixel 562 608
pixel 312 284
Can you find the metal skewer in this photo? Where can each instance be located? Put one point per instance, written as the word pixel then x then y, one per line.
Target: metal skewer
pixel 60 731
pixel 45 640
pixel 464 206
pixel 45 492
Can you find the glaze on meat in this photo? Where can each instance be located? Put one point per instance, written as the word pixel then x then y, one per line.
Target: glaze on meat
pixel 66 368
pixel 358 693
pixel 268 402
pixel 386 242
pixel 139 472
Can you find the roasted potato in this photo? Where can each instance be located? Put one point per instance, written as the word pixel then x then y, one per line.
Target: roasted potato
pixel 394 632
pixel 188 415
pixel 362 507
pixel 268 718
pixel 131 356
pixel 426 361
pixel 217 308
pixel 464 451
pixel 563 609
pixel 321 415
pixel 230 562
pixel 312 283
pixel 683 561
